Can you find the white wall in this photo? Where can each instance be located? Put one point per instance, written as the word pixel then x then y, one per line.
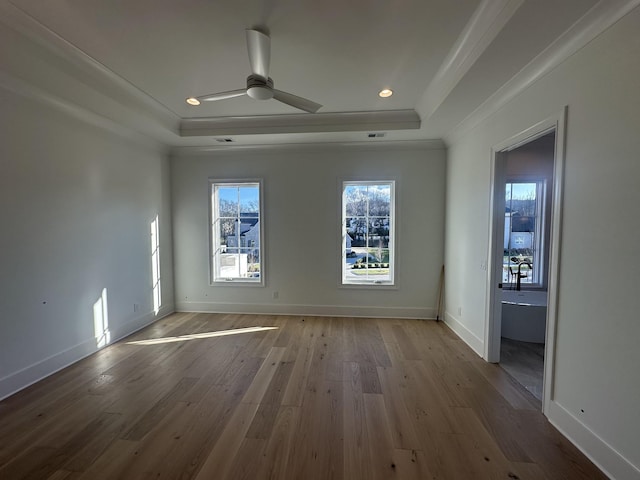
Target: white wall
pixel 596 381
pixel 76 203
pixel 302 229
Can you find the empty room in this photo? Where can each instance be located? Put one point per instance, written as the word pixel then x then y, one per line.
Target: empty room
pixel 319 240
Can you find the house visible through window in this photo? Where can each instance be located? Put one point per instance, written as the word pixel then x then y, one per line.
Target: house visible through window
pixel 236 254
pixel 523 228
pixel 368 232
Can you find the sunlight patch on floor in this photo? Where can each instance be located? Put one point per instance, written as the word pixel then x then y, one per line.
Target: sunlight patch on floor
pixel 198 336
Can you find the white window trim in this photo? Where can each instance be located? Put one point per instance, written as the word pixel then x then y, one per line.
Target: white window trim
pixel 244 282
pixel 393 216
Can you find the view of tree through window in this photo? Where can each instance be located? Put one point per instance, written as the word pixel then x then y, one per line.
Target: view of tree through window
pixel 521 233
pixel 368 234
pixel 235 218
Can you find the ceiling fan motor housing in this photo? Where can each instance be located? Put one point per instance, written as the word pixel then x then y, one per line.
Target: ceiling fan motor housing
pixel 258 88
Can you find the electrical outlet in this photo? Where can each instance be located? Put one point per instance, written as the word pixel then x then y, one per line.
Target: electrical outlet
pixel 459 311
pixel 136 307
pixel 275 294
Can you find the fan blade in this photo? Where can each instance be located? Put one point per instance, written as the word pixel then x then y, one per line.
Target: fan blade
pixel 222 95
pixel 295 101
pixel 259 47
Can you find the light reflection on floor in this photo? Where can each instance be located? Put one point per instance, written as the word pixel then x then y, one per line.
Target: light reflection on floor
pixel 199 336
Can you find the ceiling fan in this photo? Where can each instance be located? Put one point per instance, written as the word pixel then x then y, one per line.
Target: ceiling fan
pixel 259 84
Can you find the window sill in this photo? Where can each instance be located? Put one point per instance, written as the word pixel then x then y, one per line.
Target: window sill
pixel 369 286
pixel 237 283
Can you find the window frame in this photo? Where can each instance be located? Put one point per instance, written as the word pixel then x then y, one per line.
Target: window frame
pixel 393 219
pixel 539 243
pixel 214 280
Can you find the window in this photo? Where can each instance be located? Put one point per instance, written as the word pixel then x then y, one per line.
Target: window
pixel 523 233
pixel 368 223
pixel 236 246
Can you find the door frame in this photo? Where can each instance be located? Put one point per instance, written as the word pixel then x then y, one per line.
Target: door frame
pixel 493 317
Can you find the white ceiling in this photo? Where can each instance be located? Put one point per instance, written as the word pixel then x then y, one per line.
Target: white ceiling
pixel 442 58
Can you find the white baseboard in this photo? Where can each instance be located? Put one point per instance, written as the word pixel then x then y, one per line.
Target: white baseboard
pixel 21 379
pixel 15 382
pixel 316 310
pixel 611 462
pixel 476 343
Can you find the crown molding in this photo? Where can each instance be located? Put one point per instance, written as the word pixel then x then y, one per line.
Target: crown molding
pixel 89 70
pixel 301 123
pixel 22 88
pixel 483 27
pixel 397 145
pixel 598 19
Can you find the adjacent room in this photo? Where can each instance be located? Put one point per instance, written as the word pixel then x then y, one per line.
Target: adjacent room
pixel 315 240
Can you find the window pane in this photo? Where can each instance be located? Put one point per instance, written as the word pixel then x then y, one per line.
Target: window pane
pixel 227 201
pixel 357 232
pixel 355 198
pixel 230 265
pixel 249 200
pixel 228 233
pixel 378 255
pixel 378 232
pixel 249 232
pixel 379 199
pixel 253 261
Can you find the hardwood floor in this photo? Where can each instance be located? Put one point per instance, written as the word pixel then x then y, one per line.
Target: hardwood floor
pixel 524 361
pixel 313 398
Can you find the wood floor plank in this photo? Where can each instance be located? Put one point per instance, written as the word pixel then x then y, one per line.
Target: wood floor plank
pixel 485 456
pixel 263 376
pixel 247 460
pixel 203 426
pixel 407 346
pixel 159 410
pixel 30 465
pixel 265 418
pixel 112 462
pixel 411 465
pixel 380 440
pixel 500 419
pixel 298 380
pixel 64 475
pixel 357 456
pixel 318 452
pixel 508 387
pixel 315 398
pixel 274 461
pixel 400 422
pixel 148 459
pixel 219 462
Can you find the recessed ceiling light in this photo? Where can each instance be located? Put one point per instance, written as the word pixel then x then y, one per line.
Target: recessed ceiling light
pixel 193 101
pixel 385 93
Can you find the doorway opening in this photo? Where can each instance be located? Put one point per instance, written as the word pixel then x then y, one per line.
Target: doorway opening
pixel 524 253
pixel 527 226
